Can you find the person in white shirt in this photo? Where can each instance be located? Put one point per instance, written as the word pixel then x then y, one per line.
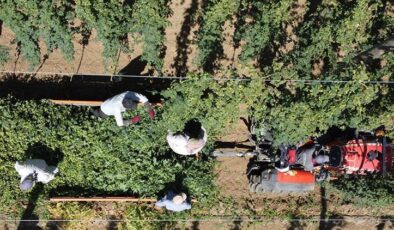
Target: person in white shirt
pixel 174 202
pixel 189 142
pixel 34 170
pixel 115 105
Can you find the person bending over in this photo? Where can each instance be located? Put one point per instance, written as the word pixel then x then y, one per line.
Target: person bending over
pixel 115 105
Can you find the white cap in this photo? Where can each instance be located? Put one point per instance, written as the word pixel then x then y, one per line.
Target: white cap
pixel 179 199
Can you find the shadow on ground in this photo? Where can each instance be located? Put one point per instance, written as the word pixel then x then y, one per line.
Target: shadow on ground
pixel 135 67
pixel 78 87
pixel 29 220
pixel 41 151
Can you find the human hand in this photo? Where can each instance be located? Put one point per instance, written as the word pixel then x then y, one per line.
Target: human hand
pixel 135 119
pixel 152 114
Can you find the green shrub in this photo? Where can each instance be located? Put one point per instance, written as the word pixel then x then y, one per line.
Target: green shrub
pixel 4 54
pixel 143 217
pixel 112 21
pixel 264 27
pixel 85 213
pixel 149 19
pixel 102 158
pixel 367 191
pixel 210 34
pixel 330 36
pixel 32 20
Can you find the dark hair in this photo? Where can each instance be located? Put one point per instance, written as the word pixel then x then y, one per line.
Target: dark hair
pixel 193 128
pixel 129 103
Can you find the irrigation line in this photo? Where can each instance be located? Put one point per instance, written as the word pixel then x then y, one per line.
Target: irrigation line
pixel 207 220
pixel 306 81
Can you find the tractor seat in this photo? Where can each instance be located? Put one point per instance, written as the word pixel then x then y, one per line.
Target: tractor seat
pixel 335 156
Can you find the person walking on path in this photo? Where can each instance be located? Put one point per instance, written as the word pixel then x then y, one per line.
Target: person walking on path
pixel 190 141
pixel 115 105
pixel 174 202
pixel 34 170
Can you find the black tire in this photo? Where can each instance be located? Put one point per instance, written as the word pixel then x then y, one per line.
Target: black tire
pixel 252 187
pixel 259 188
pixel 256 179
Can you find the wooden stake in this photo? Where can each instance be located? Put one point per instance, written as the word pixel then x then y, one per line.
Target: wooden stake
pixel 86 103
pixel 101 199
pixel 105 199
pixel 76 102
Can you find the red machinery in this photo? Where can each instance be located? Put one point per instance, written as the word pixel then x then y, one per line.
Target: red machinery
pixel 363 156
pixel 271 180
pixel 368 153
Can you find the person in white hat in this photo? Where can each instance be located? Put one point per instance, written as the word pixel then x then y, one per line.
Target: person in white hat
pixel 190 141
pixel 174 202
pixel 34 170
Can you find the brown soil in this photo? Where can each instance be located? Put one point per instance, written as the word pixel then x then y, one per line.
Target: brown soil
pixel 88 59
pixel 179 54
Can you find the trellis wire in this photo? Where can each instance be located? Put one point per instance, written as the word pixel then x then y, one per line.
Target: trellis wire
pixel 306 81
pixel 349 218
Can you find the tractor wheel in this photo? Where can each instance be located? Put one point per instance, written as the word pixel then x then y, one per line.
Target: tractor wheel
pixel 259 188
pixel 252 187
pixel 254 179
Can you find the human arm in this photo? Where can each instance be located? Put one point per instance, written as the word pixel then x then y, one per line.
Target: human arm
pixel 118 118
pixel 150 110
pixel 133 120
pixel 185 206
pixel 161 203
pixel 45 176
pixel 23 170
pixel 195 145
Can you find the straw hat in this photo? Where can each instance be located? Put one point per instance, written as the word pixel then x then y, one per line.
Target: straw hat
pixel 179 199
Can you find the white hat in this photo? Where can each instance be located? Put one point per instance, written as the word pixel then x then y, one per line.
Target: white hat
pixel 179 199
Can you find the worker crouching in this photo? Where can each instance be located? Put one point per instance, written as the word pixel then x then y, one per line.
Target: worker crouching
pixel 174 202
pixel 34 170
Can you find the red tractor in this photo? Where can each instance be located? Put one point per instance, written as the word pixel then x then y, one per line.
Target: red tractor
pixel 333 153
pixel 362 155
